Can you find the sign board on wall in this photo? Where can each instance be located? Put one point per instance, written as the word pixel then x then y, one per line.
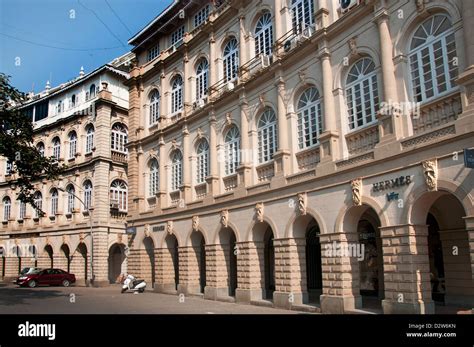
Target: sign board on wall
pixel 469 158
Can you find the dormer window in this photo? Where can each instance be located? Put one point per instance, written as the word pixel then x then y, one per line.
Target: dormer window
pixel 92 91
pixel 177 37
pixel 153 52
pixel 201 17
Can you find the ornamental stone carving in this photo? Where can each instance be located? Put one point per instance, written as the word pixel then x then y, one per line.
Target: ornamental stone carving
pixel 146 229
pixel 302 202
pixel 225 218
pixel 195 224
pixel 356 186
pixel 259 211
pixel 430 171
pixel 169 227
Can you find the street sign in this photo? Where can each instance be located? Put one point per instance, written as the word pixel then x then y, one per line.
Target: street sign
pixel 469 158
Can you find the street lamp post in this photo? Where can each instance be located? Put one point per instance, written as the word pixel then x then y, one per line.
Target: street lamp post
pixel 89 210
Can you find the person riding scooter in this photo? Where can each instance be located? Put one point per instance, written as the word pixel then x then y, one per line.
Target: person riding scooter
pixel 134 285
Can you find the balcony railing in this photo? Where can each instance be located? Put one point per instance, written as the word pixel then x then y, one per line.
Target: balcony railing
pixel 201 190
pixel 363 140
pixel 255 65
pixel 293 38
pixel 307 159
pixel 437 113
pixel 230 183
pixel 221 87
pixel 175 197
pixel 119 157
pixel 265 172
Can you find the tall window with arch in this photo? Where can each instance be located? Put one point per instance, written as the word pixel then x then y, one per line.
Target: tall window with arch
pixel 87 186
pixel 92 91
pixel 267 135
pixel 154 107
pixel 54 201
pixel 119 138
pixel 202 152
pixel 302 14
pixel 232 150
pixel 362 94
pixel 153 178
pixel 59 107
pixel 176 170
pixel 56 148
pixel 310 118
pixel 432 59
pixel 7 208
pixel 118 194
pixel 231 60
pixel 177 94
pixel 264 35
pixel 202 79
pixel 38 202
pixel 40 148
pixel 72 144
pixel 71 198
pixel 89 138
pixel 22 212
pixel 73 101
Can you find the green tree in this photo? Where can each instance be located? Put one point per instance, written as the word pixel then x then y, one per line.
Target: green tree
pixel 16 135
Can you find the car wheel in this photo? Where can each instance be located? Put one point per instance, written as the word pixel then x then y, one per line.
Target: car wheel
pixel 66 283
pixel 32 284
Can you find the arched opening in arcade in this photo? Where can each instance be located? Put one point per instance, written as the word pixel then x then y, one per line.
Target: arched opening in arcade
pixel 116 262
pixel 198 244
pixel 148 267
pixel 79 263
pixel 264 238
pixel 228 242
pixel 65 258
pixel 172 246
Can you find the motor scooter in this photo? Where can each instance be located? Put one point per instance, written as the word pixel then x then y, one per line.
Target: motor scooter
pixel 133 285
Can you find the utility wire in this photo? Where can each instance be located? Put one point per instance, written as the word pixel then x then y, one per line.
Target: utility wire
pixel 116 15
pixel 103 23
pixel 57 47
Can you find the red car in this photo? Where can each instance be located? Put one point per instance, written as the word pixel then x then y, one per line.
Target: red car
pixel 46 277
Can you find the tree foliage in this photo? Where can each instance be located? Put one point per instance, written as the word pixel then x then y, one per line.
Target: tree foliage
pixel 29 166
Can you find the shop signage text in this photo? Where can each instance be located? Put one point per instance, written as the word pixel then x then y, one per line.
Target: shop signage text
pixel 392 184
pixel 158 228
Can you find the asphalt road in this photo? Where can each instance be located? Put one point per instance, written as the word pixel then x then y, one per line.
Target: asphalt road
pixel 108 300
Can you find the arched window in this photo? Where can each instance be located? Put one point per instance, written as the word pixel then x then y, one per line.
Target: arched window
pixel 59 107
pixel 54 201
pixel 154 107
pixel 267 135
pixel 71 198
pixel 302 14
pixel 89 138
pixel 177 94
pixel 153 182
pixel 118 194
pixel 56 148
pixel 202 152
pixel 87 194
pixel 92 91
pixel 202 79
pixel 264 35
pixel 232 150
pixel 432 59
pixel 7 208
pixel 362 94
pixel 38 201
pixel 73 101
pixel 310 119
pixel 22 213
pixel 119 138
pixel 40 148
pixel 176 170
pixel 72 144
pixel 231 60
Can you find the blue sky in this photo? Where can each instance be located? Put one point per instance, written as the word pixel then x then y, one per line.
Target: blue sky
pixel 82 37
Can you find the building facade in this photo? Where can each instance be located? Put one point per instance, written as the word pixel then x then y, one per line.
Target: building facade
pixel 83 124
pixel 291 152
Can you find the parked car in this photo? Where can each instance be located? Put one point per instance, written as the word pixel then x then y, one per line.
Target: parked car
pixel 46 277
pixel 29 270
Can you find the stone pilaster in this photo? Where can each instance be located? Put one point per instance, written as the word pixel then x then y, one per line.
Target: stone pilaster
pixel 45 261
pixel 340 275
pixel 165 272
pixel 250 271
pixel 79 267
pixel 189 270
pixel 60 261
pixel 100 258
pixel 406 269
pixel 290 272
pixel 217 272
pixel 12 265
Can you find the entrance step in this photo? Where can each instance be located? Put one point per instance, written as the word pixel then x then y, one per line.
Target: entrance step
pixel 306 308
pixel 361 311
pixel 263 303
pixel 229 299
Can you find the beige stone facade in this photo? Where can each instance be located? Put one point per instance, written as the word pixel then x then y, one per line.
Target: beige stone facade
pixel 79 116
pixel 357 175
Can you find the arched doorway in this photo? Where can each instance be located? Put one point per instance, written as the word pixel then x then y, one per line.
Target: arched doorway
pixel 172 245
pixel 116 261
pixel 17 253
pixel 228 242
pixel 148 271
pixel 2 260
pixel 314 277
pixel 48 262
pixel 449 253
pixel 263 236
pixel 79 264
pixel 66 259
pixel 198 243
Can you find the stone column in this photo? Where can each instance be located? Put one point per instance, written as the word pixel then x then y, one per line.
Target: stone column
pixel 212 57
pixel 78 267
pixel 163 180
pixel 278 23
pixel 243 49
pixel 60 261
pixel 217 281
pixel 322 15
pixel 406 269
pixel 329 139
pixel 213 178
pixel 12 265
pixel 340 275
pixel 282 156
pixel 246 157
pixel 44 261
pixel 290 273
pixel 186 189
pixel 163 95
pixel 250 270
pixel 187 93
pixel 189 270
pixel 101 258
pixel 165 276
